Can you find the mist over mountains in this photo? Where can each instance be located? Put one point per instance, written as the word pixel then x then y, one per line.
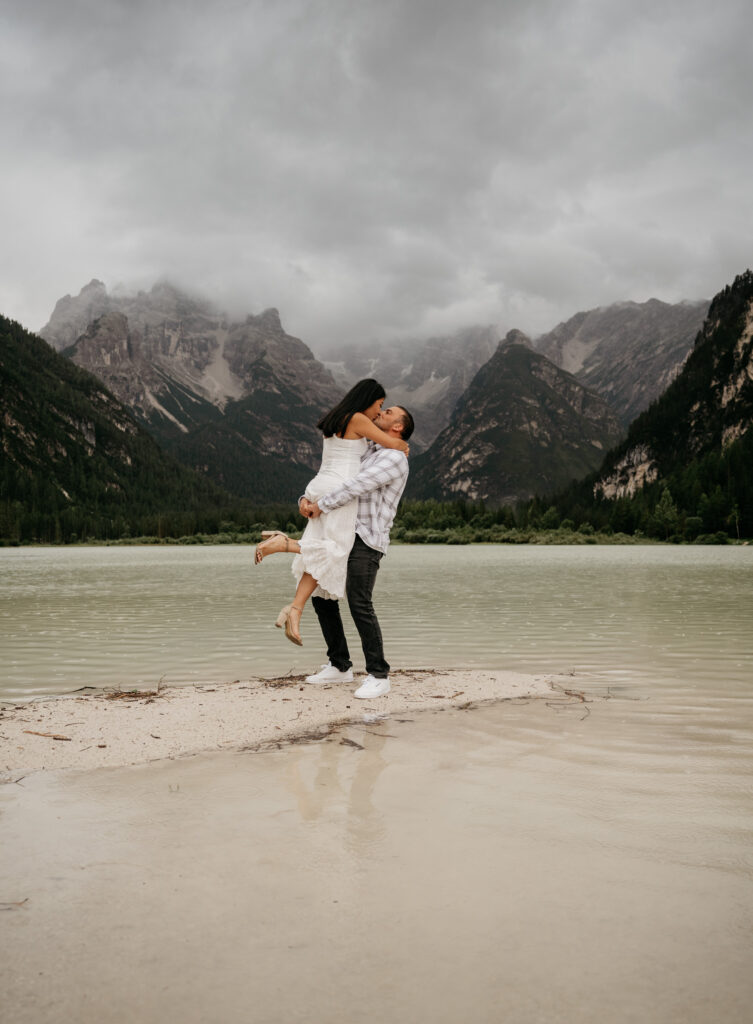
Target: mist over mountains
pixel 238 400
pixel 627 353
pixel 427 376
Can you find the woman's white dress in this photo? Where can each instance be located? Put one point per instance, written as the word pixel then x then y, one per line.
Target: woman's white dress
pixel 327 540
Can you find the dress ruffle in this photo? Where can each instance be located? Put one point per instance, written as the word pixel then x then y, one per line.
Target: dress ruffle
pixel 327 561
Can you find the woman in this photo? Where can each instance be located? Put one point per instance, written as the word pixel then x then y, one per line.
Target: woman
pixel 321 561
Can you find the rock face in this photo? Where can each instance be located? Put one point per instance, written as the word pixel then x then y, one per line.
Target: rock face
pixel 635 468
pixel 227 398
pixel 426 377
pixel 523 427
pixel 72 316
pixel 629 353
pixel 239 400
pixel 707 407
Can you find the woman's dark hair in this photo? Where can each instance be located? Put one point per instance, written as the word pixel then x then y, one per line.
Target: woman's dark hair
pixel 358 399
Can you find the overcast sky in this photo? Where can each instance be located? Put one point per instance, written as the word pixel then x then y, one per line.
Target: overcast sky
pixel 376 168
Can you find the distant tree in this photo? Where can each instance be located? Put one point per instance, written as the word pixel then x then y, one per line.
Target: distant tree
pixel 550 520
pixel 733 519
pixel 665 514
pixel 714 509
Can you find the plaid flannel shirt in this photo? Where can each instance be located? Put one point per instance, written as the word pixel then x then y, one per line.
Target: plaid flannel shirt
pixel 378 486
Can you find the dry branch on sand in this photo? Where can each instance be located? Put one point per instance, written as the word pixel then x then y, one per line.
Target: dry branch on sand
pixel 49 735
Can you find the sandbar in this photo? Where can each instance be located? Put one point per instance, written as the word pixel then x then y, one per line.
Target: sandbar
pixel 108 729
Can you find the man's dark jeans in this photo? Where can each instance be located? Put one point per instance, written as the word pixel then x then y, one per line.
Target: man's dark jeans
pixel 363 566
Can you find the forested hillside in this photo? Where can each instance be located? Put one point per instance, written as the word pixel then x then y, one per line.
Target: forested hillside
pixel 686 466
pixel 76 464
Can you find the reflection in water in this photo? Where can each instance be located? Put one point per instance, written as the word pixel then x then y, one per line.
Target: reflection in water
pixel 342 781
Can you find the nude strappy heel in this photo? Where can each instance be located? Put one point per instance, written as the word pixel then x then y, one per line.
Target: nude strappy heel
pixel 283 622
pixel 267 535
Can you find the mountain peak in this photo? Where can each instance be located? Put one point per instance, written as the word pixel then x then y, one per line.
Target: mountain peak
pixel 268 320
pixel 523 427
pixel 71 316
pixel 187 372
pixel 94 285
pixel 516 337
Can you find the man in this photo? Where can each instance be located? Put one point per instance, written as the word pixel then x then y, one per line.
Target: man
pixel 378 487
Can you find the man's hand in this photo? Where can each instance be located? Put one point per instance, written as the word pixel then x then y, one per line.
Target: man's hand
pixel 309 509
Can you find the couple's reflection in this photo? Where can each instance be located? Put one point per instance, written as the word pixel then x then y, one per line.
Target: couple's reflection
pixel 337 776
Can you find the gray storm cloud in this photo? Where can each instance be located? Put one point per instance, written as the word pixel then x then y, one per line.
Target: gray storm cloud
pixel 376 169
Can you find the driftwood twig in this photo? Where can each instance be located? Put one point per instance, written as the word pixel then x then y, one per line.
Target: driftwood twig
pixel 50 735
pixel 13 906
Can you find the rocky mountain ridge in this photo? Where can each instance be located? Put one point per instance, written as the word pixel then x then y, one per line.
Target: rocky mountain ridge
pixel 628 352
pixel 523 427
pixel 239 400
pixel 426 376
pixel 706 409
pixel 227 398
pixel 167 335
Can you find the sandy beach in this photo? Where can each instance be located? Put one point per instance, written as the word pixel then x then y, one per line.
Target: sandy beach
pixel 458 850
pixel 114 728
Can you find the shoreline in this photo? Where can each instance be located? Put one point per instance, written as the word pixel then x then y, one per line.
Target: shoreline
pixel 513 538
pixel 109 729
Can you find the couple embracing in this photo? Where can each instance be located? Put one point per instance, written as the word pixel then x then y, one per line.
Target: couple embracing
pixel 350 506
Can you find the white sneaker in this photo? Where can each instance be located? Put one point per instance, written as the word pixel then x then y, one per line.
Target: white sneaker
pixel 372 687
pixel 329 674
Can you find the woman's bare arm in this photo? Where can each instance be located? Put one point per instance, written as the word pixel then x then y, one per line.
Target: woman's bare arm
pixel 361 426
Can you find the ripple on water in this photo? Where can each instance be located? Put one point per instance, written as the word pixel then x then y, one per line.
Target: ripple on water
pixel 631 616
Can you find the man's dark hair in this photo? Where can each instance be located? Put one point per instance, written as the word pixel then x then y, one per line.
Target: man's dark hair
pixel 408 424
pixel 358 399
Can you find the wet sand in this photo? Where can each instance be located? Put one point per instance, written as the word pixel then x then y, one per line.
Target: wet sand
pixel 113 728
pixel 533 861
